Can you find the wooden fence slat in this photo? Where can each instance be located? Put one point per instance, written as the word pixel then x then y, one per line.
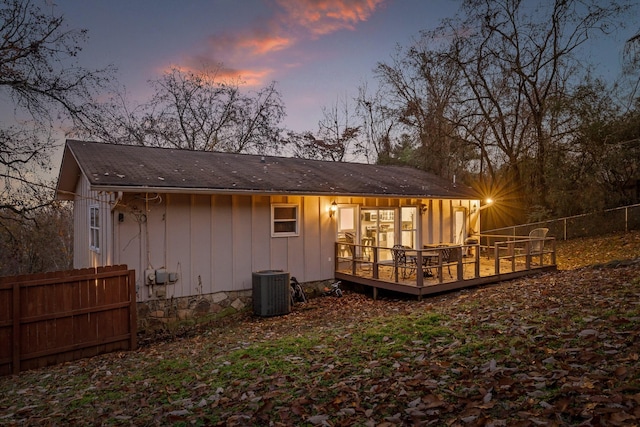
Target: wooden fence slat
pixel 73 347
pixel 84 274
pixel 16 328
pixel 63 316
pixel 72 313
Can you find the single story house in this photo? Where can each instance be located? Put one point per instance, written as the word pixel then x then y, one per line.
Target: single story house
pixel 195 225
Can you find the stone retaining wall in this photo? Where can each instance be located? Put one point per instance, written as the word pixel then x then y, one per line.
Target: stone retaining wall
pixel 162 313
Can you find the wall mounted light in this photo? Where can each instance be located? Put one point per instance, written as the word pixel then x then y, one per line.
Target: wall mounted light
pixel 423 209
pixel 333 209
pixel 487 203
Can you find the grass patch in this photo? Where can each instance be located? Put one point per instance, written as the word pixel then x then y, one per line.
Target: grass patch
pixel 504 354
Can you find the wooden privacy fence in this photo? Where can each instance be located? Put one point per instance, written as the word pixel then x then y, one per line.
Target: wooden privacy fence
pixel 57 317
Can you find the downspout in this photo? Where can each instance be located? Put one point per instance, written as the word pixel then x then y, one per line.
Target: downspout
pixel 115 222
pixel 117 201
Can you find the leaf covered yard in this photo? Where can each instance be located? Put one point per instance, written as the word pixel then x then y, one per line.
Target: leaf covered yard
pixel 557 349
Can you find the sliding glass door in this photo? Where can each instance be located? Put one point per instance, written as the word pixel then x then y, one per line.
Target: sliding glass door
pixel 381 227
pixel 378 228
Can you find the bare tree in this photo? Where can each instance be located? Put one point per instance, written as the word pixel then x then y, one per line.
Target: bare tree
pixel 422 87
pixel 484 91
pixel 378 124
pixel 43 244
pixel 517 61
pixel 39 73
pixel 194 111
pixel 336 138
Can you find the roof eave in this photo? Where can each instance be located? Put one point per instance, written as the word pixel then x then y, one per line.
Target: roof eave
pixel 68 176
pixel 229 191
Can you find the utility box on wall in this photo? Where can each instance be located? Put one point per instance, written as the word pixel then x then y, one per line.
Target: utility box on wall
pixel 271 293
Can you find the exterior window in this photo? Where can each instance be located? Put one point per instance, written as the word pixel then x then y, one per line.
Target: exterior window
pixel 284 220
pixel 94 228
pixel 409 223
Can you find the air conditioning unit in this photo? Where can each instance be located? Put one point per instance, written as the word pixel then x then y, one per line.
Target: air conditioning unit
pixel 271 293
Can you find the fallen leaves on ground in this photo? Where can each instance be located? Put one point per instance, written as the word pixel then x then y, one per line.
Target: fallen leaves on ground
pixel 556 349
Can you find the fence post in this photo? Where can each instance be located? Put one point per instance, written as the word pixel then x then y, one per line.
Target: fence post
pixel 16 327
pixel 626 219
pixel 133 312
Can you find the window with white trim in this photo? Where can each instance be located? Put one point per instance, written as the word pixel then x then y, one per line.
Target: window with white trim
pixel 94 228
pixel 284 220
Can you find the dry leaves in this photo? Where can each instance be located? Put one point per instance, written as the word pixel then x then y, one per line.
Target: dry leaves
pixel 554 350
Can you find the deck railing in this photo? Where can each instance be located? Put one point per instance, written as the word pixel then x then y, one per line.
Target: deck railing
pixel 505 254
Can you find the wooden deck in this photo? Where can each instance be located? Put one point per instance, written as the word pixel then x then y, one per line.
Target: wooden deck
pixel 473 265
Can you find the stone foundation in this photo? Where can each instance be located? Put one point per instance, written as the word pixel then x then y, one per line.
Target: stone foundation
pixel 165 313
pixel 162 313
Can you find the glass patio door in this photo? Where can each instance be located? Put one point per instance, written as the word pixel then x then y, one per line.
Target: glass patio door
pixel 347 230
pixel 378 228
pixel 409 226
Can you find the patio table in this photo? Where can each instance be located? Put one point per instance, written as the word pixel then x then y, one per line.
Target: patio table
pixel 429 258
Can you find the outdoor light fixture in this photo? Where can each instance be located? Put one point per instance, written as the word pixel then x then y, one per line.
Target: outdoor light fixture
pixel 475 209
pixel 333 209
pixel 423 209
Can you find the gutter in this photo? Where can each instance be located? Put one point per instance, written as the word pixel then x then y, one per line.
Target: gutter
pixel 188 190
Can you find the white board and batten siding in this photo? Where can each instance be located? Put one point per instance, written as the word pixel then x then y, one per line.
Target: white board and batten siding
pixel 83 255
pixel 215 242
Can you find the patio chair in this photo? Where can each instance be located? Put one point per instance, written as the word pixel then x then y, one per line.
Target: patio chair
pixel 400 262
pixel 347 239
pixel 536 238
pixel 450 255
pixel 367 248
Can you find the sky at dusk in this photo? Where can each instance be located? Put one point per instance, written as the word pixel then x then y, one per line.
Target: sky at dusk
pixel 317 51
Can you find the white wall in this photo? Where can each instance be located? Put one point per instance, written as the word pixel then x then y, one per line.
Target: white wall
pixel 215 242
pixel 83 256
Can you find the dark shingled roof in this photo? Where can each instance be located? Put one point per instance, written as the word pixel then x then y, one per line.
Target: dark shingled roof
pixel 112 167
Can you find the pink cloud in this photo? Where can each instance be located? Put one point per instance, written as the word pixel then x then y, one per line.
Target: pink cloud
pixel 322 17
pixel 250 51
pixel 219 73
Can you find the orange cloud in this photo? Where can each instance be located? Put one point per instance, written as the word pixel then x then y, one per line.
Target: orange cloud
pixel 322 17
pixel 250 49
pixel 221 74
pixel 246 46
pixel 265 45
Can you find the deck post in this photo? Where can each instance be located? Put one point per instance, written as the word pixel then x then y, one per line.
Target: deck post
pixel 440 276
pixel 476 254
pixel 375 263
pixel 419 275
pixel 496 252
pixel 353 260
